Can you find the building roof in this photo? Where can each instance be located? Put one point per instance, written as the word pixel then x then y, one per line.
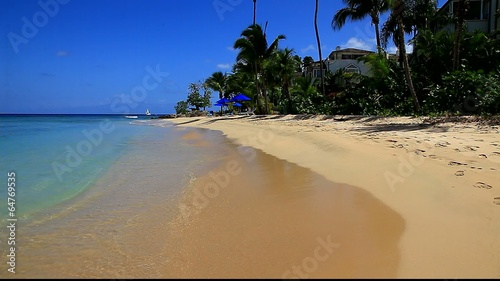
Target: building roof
pixel 352 50
pixel 440 9
pixel 349 51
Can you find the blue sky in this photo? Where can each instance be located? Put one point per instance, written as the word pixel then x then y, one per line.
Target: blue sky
pixel 123 56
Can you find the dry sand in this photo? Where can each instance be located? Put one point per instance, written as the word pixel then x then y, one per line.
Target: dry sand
pixel 437 188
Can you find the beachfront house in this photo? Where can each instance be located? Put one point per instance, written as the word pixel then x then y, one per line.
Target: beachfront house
pixel 346 59
pixel 482 15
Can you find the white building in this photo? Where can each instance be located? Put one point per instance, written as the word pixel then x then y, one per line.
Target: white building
pixel 482 15
pixel 346 59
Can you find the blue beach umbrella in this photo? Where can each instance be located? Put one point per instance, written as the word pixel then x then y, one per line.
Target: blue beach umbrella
pixel 240 97
pixel 222 102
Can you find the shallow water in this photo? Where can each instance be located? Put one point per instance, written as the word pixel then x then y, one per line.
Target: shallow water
pixel 109 228
pixel 56 157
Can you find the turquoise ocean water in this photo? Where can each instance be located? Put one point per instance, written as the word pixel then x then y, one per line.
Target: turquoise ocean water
pixel 56 157
pixel 95 193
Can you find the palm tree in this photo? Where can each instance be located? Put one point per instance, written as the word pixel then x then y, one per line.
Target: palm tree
pixel 284 66
pixel 397 12
pixel 217 82
pixel 319 48
pixel 359 9
pixel 417 16
pixel 254 51
pixel 307 64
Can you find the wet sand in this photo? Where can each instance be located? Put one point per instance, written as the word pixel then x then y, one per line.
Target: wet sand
pixel 438 185
pixel 261 217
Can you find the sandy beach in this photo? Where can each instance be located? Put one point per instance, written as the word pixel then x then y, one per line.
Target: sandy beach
pixel 395 197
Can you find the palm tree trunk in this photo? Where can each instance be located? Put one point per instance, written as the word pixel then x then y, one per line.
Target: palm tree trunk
pixel 264 92
pixel 257 89
pixel 402 50
pixel 458 33
pixel 319 48
pixel 254 10
pixel 375 21
pixel 377 34
pixel 286 89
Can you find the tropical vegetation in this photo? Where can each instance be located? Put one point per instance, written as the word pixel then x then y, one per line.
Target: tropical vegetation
pixel 451 71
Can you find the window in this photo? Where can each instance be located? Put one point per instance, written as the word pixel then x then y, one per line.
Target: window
pixel 486 9
pixel 352 69
pixel 474 12
pixel 317 73
pixel 351 57
pixel 478 9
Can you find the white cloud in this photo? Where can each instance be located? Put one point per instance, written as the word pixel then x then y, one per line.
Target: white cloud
pixel 224 66
pixel 358 44
pixel 409 48
pixel 392 50
pixel 230 48
pixel 307 49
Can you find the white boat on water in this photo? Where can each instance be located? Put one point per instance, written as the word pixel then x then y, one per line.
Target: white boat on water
pixel 131 116
pixel 147 112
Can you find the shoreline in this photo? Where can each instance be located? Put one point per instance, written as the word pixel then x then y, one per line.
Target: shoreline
pixel 441 178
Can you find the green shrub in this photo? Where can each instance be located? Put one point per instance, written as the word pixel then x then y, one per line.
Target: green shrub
pixel 465 92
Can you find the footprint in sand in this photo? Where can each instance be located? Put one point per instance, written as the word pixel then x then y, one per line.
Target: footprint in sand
pixel 496 200
pixel 455 163
pixel 482 185
pixel 483 156
pixel 471 147
pixel 420 152
pixel 495 157
pixel 460 173
pixel 442 144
